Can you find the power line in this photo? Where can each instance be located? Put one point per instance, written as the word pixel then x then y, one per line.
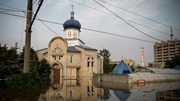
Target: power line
pixel 108 33
pixel 10 7
pixel 127 22
pixel 9 10
pixel 139 15
pixel 47 26
pixel 34 2
pixel 123 18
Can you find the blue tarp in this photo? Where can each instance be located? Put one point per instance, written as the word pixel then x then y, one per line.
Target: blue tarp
pixel 122 68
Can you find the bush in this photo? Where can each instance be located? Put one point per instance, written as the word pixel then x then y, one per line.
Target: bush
pixel 26 86
pixel 24 81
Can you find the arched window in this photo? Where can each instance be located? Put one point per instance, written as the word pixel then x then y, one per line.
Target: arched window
pixel 75 35
pixel 56 76
pixel 69 34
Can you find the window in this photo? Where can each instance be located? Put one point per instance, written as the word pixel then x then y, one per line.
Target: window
pixel 70 93
pixel 88 63
pixel 71 59
pixel 69 34
pixel 92 64
pixel 75 35
pixel 92 89
pixel 88 90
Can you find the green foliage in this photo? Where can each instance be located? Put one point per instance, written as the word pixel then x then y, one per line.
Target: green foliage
pixel 33 57
pixel 43 68
pixel 172 63
pixel 111 67
pixel 8 61
pixel 32 83
pixel 106 54
pixel 22 86
pixel 34 80
pixel 24 81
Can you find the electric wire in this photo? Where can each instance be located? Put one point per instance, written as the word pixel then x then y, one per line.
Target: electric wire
pixel 34 2
pixel 47 26
pixel 139 15
pixel 127 22
pixel 12 7
pixel 10 10
pixel 82 28
pixel 123 18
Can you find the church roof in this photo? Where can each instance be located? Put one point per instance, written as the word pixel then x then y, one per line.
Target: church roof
pixel 86 47
pixel 75 39
pixel 72 49
pixel 72 23
pixel 122 68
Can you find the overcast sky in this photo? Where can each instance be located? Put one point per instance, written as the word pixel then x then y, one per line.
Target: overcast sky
pixel 164 11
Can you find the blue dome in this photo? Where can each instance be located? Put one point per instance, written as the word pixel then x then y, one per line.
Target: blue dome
pixel 72 23
pixel 122 68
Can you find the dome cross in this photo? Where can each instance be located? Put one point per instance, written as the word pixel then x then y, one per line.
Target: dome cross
pixel 72 12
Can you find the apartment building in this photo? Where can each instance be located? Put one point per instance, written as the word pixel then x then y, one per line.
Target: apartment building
pixel 165 51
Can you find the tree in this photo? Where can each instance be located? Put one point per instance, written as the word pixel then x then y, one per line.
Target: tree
pixel 106 54
pixel 172 63
pixel 8 61
pixel 33 58
pixel 175 61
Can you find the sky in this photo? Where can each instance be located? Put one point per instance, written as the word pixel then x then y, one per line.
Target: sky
pixel 93 16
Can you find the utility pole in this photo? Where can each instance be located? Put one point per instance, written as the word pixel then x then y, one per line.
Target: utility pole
pixel 171 34
pixel 28 38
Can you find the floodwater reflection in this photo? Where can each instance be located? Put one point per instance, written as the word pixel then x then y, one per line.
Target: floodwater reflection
pixel 72 89
pixel 87 89
pixel 164 91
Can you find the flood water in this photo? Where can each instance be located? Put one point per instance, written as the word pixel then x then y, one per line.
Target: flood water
pixel 85 89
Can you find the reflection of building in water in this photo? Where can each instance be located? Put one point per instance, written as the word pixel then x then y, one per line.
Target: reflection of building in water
pixel 70 60
pixel 84 91
pixel 168 95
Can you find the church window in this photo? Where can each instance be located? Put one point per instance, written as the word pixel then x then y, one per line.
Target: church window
pixel 75 35
pixel 60 56
pixel 56 76
pixel 92 64
pixel 88 63
pixel 70 93
pixel 69 34
pixel 71 58
pixel 88 90
pixel 92 89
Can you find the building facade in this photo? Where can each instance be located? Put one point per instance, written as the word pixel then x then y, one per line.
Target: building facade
pixel 165 51
pixel 71 60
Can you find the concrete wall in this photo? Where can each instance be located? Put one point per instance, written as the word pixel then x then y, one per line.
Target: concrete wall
pixel 123 78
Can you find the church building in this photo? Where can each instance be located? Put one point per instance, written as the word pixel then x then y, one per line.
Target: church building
pixel 69 57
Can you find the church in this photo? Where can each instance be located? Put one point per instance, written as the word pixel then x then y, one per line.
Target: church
pixel 69 57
